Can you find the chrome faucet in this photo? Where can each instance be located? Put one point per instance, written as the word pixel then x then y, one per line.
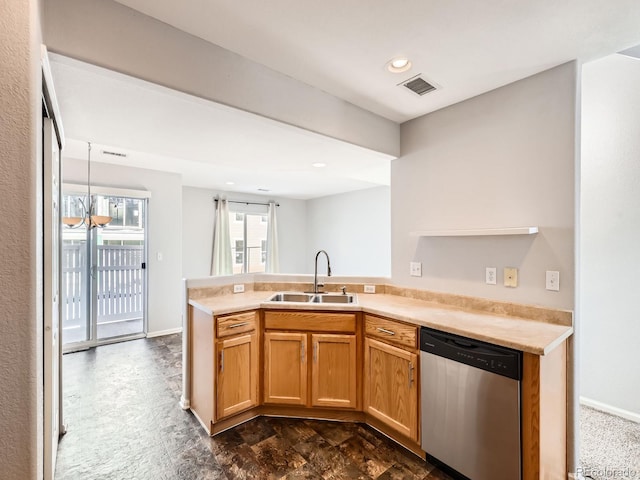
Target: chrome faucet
pixel 315 273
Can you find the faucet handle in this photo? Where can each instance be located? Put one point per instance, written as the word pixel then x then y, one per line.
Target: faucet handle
pixel 344 289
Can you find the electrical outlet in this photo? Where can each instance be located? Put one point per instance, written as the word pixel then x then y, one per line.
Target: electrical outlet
pixel 490 275
pixel 239 288
pixel 369 289
pixel 553 280
pixel 159 256
pixel 510 277
pixel 415 269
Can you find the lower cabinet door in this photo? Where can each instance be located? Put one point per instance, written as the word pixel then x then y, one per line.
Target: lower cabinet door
pixel 390 386
pixel 238 365
pixel 333 371
pixel 285 368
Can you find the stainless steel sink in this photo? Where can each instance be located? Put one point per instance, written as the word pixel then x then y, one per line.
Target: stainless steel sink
pixel 292 297
pixel 301 297
pixel 335 298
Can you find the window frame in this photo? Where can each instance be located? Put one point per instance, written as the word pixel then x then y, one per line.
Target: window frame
pixel 261 220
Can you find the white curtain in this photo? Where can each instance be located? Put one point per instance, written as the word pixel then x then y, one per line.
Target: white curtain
pixel 272 264
pixel 221 260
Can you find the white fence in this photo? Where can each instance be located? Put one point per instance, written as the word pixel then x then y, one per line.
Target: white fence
pixel 119 279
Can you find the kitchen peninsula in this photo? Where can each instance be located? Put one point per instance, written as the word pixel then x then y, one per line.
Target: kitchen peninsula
pixel 246 356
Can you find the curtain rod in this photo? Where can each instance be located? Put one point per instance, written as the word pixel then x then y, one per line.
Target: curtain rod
pixel 215 199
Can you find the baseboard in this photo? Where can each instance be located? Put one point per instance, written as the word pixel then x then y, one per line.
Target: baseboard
pixel 161 333
pixel 603 407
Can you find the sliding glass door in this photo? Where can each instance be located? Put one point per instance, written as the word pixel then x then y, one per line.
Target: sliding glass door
pixel 103 272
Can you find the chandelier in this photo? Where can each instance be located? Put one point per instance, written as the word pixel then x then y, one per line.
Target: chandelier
pixel 88 216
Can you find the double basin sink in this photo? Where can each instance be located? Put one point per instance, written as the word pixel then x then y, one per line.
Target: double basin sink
pixel 301 297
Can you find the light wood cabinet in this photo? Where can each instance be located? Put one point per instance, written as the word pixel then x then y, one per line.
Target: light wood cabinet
pixel 390 386
pixel 285 368
pixel 312 369
pixel 236 324
pixel 390 331
pixel 333 371
pixel 319 364
pixel 225 364
pixel 237 379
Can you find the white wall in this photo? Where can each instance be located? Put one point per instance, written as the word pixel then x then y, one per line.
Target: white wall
pixel 354 229
pixel 146 48
pixel 610 232
pixel 505 158
pixel 197 228
pixel 164 232
pixel 21 270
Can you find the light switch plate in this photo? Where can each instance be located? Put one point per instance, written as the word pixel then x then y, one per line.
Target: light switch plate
pixel 553 280
pixel 415 269
pixel 510 277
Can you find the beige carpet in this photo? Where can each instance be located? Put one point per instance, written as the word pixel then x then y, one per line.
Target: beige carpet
pixel 609 446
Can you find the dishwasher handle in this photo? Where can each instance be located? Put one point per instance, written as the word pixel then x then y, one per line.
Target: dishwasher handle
pixel 485 356
pixel 461 344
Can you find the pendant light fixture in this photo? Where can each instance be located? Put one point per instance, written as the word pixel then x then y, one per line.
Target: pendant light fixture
pixel 88 218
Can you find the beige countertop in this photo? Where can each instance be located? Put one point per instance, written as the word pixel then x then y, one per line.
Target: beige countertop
pixel 527 335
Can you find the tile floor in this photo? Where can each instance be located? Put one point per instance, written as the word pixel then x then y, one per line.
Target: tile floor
pixel 124 422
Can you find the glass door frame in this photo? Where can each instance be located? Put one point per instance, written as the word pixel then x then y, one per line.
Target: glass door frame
pixel 91 287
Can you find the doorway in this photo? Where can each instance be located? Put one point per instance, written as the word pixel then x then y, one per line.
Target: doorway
pixel 103 270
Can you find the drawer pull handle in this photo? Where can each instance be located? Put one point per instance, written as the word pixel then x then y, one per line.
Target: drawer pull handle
pixel 315 352
pixel 222 361
pixel 236 325
pixel 384 330
pixel 301 352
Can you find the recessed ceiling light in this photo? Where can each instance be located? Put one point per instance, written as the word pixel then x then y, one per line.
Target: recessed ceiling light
pixel 318 164
pixel 398 65
pixel 230 183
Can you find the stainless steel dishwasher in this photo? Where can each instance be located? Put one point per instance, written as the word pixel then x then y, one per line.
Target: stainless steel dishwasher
pixel 470 406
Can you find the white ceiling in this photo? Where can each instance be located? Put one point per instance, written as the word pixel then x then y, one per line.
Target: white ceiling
pixel 208 143
pixel 464 47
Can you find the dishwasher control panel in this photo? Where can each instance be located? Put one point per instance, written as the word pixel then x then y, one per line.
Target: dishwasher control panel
pixel 486 356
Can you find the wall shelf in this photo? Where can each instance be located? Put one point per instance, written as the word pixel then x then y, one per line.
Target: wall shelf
pixel 476 232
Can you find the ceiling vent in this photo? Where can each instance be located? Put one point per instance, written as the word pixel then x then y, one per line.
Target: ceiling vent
pixel 418 85
pixel 115 154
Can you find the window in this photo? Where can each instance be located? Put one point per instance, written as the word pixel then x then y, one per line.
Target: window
pixel 249 231
pixel 125 212
pixel 239 252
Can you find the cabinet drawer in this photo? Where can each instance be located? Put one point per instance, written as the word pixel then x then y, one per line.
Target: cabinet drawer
pixel 236 323
pixel 310 321
pixel 391 331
